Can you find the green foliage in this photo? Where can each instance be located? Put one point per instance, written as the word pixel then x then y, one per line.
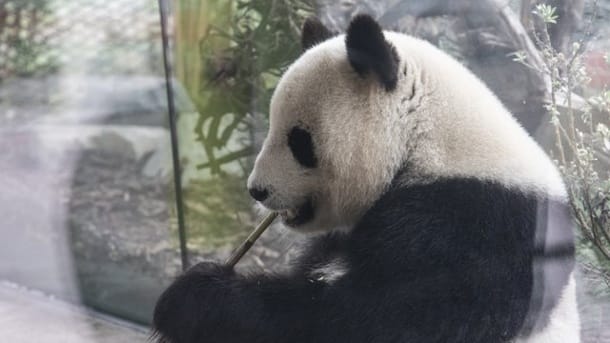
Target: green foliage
pixel 242 52
pixel 23 49
pixel 30 58
pixel 547 13
pixel 582 141
pixel 216 211
pixel 240 76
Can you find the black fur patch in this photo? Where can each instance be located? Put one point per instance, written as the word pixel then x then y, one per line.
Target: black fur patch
pixel 314 32
pixel 305 213
pixel 452 261
pixel 476 250
pixel 368 50
pixel 301 146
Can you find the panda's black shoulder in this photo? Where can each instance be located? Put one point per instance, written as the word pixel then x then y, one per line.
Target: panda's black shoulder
pixel 457 216
pixel 465 238
pixel 322 249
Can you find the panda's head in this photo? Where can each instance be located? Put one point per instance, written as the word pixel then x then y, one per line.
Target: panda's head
pixel 331 151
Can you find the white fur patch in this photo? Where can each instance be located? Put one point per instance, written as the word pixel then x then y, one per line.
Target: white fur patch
pixel 467 131
pixel 330 272
pixel 564 323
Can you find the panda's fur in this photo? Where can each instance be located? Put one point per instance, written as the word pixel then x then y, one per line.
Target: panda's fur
pixel 438 218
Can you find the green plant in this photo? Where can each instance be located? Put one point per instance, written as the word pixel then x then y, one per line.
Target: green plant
pixel 242 64
pixel 218 212
pixel 23 46
pixel 230 56
pixel 581 135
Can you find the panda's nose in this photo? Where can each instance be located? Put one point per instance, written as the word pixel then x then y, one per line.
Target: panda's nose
pixel 259 194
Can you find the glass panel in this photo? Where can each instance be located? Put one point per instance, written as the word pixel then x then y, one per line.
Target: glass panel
pixel 86 168
pixel 87 207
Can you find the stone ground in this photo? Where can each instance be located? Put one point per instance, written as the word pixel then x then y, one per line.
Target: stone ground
pixel 27 316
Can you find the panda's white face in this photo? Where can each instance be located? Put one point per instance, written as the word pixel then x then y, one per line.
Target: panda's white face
pixel 323 162
pixel 294 171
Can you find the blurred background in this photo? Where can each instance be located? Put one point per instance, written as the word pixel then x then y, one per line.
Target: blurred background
pixel 89 228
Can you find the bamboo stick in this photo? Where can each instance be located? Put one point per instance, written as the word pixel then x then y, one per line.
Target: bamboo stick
pixel 247 244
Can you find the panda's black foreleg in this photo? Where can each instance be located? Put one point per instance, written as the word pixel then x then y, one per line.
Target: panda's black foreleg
pixel 210 303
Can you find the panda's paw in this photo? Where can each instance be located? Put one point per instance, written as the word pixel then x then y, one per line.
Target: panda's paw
pixel 184 308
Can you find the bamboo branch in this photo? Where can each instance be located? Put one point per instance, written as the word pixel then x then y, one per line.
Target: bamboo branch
pixel 247 244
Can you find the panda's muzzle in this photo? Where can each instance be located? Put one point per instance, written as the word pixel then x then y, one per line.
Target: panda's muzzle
pixel 298 216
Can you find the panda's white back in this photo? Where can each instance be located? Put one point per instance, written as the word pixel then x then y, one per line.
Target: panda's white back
pixel 470 132
pixel 454 126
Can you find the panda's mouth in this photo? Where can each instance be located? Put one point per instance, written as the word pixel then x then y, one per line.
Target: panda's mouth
pixel 299 215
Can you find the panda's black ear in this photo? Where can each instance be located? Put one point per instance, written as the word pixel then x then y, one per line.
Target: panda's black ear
pixel 313 32
pixel 368 50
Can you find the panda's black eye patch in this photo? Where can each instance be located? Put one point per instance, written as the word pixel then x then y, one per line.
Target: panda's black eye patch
pixel 301 145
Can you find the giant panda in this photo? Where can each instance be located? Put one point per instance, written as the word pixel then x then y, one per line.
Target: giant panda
pixel 433 216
